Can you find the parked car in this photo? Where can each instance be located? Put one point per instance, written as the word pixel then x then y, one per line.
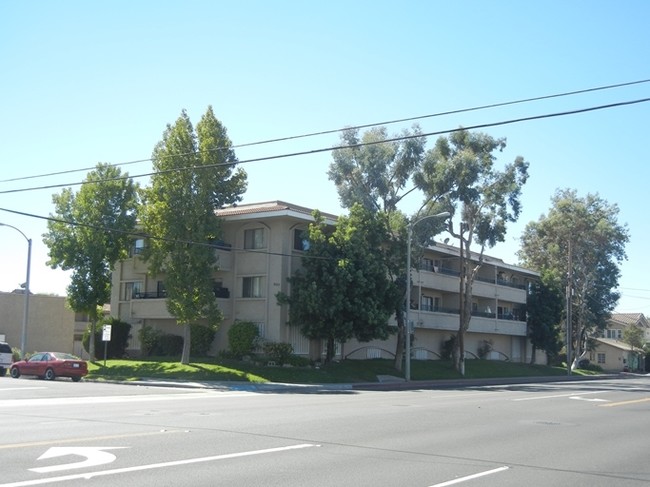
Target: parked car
pixel 6 358
pixel 50 365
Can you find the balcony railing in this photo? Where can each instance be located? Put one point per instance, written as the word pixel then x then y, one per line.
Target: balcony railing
pixel 222 292
pixel 150 295
pixel 513 316
pixel 451 272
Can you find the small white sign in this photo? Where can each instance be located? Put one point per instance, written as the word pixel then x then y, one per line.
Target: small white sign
pixel 106 333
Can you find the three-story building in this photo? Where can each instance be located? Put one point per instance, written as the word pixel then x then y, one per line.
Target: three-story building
pixel 262 247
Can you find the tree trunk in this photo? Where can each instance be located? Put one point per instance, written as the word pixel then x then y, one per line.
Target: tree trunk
pixel 329 354
pixel 399 349
pixel 187 341
pixel 91 342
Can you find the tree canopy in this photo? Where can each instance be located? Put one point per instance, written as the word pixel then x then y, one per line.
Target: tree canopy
pixel 195 175
pixel 89 232
pixel 584 231
pixel 544 306
pixel 342 290
pixel 375 171
pixel 462 168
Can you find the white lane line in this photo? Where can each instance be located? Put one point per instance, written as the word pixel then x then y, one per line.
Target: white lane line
pixel 65 401
pixel 469 477
pixel 152 466
pixel 535 398
pixel 593 399
pixel 21 388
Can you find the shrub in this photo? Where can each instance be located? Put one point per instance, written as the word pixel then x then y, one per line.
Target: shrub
pixel 242 338
pixel 447 348
pixel 149 340
pixel 170 345
pixel 298 361
pixel 120 334
pixel 202 338
pixel 15 354
pixel 280 353
pixel 484 348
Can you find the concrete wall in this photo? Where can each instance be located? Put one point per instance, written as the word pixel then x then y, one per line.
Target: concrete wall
pixel 50 325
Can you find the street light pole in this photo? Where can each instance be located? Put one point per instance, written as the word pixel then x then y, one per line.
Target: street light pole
pixel 569 296
pixel 407 325
pixel 23 336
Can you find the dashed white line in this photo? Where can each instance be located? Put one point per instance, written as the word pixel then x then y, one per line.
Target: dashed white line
pixel 468 477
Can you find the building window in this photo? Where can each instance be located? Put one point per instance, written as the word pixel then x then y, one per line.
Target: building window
pixel 300 239
pixel 601 358
pixel 137 248
pixel 252 287
pixel 132 290
pixel 615 334
pixel 427 303
pixel 254 238
pixel 161 292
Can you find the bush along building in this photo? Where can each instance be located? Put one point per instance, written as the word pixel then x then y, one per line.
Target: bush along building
pixel 262 245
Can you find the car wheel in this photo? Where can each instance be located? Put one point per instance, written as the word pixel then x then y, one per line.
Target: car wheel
pixel 3 371
pixel 15 372
pixel 75 379
pixel 49 374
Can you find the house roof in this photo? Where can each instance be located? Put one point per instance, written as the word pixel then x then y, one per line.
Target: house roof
pixel 618 344
pixel 271 209
pixel 627 319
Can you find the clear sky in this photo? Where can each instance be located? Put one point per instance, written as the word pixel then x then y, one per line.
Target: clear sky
pixel 87 82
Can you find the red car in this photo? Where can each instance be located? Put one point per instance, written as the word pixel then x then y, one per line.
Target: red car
pixel 50 365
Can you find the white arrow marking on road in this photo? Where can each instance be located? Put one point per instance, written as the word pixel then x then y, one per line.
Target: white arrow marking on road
pixel 95 455
pixel 595 399
pixel 138 468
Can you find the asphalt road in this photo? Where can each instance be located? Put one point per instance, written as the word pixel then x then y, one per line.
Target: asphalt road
pixel 580 433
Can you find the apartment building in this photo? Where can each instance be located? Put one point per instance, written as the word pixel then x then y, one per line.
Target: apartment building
pixel 262 247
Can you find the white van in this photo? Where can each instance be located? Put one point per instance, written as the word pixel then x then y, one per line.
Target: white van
pixel 6 358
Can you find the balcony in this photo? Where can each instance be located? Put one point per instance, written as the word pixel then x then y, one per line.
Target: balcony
pixel 446 280
pixel 439 318
pixel 153 305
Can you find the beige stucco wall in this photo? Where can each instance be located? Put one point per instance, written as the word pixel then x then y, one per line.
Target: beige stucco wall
pixel 50 324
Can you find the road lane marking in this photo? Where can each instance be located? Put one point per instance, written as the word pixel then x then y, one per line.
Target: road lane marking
pixel 469 477
pixel 152 466
pixel 84 440
pixel 559 395
pixel 593 399
pixel 94 456
pixel 623 403
pixel 21 388
pixel 66 401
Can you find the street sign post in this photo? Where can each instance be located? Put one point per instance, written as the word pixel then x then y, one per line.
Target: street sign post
pixel 106 337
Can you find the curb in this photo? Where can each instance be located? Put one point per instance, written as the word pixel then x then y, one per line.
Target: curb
pixel 365 386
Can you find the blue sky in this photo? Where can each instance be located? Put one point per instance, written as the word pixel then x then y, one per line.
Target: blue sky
pixel 88 82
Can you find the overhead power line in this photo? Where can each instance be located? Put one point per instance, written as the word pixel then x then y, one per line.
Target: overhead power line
pixel 138 234
pixel 368 125
pixel 361 144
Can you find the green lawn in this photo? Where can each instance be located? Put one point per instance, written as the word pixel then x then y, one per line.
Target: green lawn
pixel 348 371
